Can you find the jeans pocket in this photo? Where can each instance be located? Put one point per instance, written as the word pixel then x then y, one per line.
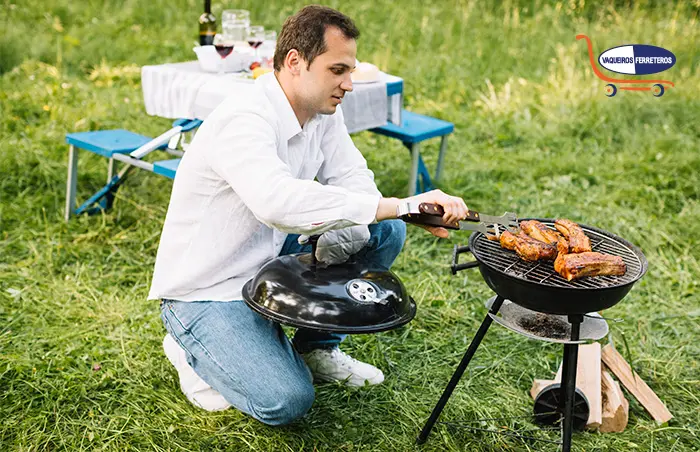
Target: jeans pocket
pixel 186 315
pixel 177 315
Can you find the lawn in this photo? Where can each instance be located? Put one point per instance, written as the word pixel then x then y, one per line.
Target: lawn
pixel 81 363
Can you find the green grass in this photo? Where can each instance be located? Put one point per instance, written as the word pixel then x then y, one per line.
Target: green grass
pixel 534 134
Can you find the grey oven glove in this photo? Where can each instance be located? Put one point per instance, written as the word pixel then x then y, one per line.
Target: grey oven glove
pixel 335 247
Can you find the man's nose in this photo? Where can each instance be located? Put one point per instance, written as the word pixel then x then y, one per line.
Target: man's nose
pixel 346 84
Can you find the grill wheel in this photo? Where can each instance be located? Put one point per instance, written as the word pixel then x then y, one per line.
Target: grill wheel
pixel 549 403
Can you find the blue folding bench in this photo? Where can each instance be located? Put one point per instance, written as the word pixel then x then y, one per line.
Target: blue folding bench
pixel 127 147
pixel 415 129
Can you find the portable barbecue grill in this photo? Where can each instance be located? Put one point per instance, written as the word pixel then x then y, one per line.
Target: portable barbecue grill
pixel 534 289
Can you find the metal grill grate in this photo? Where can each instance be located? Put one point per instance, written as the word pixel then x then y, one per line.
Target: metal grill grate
pixel 506 261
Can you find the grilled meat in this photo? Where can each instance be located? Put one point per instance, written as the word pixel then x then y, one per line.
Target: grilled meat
pixel 536 241
pixel 508 240
pixel 539 231
pixel 578 240
pixel 532 250
pixel 590 263
pixel 562 246
pixel 526 247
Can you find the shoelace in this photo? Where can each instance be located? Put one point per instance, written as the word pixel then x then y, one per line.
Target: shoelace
pixel 345 359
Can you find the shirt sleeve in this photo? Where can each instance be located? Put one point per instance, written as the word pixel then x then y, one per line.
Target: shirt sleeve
pixel 343 164
pixel 244 153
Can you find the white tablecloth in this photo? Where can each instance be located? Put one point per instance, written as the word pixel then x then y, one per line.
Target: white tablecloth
pixel 183 90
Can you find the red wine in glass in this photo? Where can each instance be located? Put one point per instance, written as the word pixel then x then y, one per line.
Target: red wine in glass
pixel 224 50
pixel 255 44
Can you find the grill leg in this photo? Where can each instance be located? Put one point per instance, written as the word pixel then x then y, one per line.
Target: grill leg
pixel 568 378
pixel 460 370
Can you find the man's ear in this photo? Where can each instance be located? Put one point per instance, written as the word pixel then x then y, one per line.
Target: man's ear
pixel 293 62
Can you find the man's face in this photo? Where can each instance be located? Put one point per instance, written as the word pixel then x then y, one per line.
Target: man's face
pixel 325 82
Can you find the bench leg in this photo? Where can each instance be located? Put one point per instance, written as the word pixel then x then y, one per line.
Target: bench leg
pixel 104 197
pixel 110 170
pixel 71 181
pixel 424 182
pixel 413 178
pixel 441 155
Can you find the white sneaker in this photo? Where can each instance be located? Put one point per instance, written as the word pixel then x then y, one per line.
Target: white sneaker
pixel 335 365
pixel 195 389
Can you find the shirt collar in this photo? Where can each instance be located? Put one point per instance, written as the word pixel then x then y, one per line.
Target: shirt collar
pixel 288 120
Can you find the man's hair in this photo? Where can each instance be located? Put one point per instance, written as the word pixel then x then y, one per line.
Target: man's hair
pixel 305 32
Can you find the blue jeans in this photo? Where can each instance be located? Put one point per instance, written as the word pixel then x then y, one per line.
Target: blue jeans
pixel 247 358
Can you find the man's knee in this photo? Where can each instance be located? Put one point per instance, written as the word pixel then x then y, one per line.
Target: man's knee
pixel 398 229
pixel 284 405
pixel 392 233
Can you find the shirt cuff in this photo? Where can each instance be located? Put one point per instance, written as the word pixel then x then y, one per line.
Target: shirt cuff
pixel 361 208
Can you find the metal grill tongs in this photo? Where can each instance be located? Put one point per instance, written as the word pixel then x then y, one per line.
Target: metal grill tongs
pixel 431 214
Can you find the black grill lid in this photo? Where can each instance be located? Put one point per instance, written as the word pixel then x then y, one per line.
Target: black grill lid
pixel 345 298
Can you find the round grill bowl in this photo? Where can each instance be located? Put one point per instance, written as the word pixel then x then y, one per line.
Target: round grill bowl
pixel 536 286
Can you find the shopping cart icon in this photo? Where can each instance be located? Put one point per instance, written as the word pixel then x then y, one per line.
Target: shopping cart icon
pixel 657 88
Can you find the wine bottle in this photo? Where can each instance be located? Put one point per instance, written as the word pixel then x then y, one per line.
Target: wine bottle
pixel 207 25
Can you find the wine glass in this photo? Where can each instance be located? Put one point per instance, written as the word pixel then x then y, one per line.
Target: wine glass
pixel 256 36
pixel 224 47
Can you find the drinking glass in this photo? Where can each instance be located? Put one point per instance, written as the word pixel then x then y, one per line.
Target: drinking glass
pixel 256 36
pixel 267 50
pixel 235 23
pixel 224 47
pixel 271 36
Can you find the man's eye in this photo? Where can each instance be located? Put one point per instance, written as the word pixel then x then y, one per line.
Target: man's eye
pixel 338 71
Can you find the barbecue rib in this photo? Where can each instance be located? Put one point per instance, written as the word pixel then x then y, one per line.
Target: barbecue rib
pixel 526 247
pixel 508 240
pixel 578 241
pixel 562 246
pixel 536 241
pixel 590 263
pixel 532 250
pixel 539 231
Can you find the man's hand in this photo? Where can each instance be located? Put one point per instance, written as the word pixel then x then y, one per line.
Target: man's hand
pixel 335 247
pixel 455 209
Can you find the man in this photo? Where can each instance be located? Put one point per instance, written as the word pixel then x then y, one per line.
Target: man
pixel 243 194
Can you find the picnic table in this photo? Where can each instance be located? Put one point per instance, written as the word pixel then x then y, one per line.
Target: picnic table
pixel 184 90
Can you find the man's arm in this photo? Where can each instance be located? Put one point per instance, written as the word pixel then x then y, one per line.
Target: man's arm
pixel 243 152
pixel 344 165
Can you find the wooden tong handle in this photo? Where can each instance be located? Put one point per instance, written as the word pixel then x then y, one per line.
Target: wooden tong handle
pixel 429 220
pixel 431 215
pixel 436 209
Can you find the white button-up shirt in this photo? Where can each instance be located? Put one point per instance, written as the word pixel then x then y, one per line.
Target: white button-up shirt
pixel 246 180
